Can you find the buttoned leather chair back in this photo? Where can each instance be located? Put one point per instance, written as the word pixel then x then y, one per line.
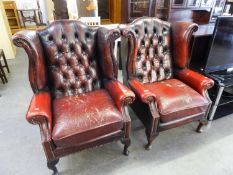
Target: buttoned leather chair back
pixel 151 59
pixel 168 93
pixel 78 102
pixel 71 58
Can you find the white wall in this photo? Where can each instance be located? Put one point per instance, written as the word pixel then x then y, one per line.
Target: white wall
pixel 5 34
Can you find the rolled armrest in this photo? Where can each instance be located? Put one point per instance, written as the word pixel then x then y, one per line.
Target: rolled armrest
pixel 120 93
pixel 197 81
pixel 142 92
pixel 40 109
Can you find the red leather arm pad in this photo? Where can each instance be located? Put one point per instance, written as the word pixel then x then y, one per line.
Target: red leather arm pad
pixel 120 93
pixel 142 92
pixel 197 81
pixel 40 106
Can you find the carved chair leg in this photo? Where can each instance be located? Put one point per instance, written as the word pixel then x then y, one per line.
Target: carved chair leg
pixel 150 138
pixel 52 166
pixel 127 143
pixel 200 126
pixel 151 132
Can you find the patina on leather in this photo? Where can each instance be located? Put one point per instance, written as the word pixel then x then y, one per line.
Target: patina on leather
pixel 168 93
pixel 78 102
pixel 150 57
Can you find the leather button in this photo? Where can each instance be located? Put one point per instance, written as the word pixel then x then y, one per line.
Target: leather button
pixel 63 36
pixel 154 30
pixel 76 35
pixel 50 38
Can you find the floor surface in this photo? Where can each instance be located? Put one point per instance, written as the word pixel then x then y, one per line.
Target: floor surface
pixel 179 151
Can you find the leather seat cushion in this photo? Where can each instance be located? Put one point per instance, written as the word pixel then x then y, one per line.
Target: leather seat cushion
pixel 176 100
pixel 80 118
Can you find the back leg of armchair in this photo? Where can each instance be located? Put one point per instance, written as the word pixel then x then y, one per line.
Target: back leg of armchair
pixel 51 164
pixel 201 125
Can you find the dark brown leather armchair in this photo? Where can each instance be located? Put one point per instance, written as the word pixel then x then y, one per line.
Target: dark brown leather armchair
pixel 77 102
pixel 168 94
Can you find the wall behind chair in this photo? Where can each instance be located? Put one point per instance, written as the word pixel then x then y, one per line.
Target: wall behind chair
pixel 5 33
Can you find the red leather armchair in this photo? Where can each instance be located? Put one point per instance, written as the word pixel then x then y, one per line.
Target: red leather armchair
pixel 77 102
pixel 168 94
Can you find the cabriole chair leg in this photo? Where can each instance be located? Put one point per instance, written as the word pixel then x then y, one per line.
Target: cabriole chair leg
pixel 200 126
pixel 127 143
pixel 52 166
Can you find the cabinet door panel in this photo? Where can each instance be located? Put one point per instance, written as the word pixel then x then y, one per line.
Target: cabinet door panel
pixel 178 3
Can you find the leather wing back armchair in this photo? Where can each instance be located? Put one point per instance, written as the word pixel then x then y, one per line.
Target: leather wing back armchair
pixel 168 94
pixel 77 102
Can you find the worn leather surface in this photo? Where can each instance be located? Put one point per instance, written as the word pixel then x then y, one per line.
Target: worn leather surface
pixel 150 50
pixel 176 100
pixel 84 117
pixel 142 92
pixel 119 93
pixel 195 80
pixel 40 107
pixel 70 49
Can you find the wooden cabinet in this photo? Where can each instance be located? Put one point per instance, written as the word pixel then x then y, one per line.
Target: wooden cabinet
pixel 136 8
pixel 162 9
pixel 178 3
pixel 12 16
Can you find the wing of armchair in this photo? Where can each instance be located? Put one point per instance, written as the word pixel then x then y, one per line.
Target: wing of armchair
pixel 77 102
pixel 168 94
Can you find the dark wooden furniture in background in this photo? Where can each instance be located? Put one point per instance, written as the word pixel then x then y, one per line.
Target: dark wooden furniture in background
pixel 198 11
pixel 29 15
pixel 168 94
pixel 12 16
pixel 132 9
pixel 162 9
pixel 60 9
pixel 2 66
pixel 109 11
pixel 78 102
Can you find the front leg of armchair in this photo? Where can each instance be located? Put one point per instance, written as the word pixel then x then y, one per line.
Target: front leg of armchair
pixel 122 97
pixel 146 96
pixel 152 127
pixel 39 113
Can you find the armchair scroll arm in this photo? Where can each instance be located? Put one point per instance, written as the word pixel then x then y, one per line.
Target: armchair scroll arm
pixel 121 95
pixel 142 92
pixel 197 81
pixel 40 113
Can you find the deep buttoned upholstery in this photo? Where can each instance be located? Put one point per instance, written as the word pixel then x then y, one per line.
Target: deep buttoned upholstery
pixel 72 58
pixel 151 57
pixel 78 102
pixel 168 93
